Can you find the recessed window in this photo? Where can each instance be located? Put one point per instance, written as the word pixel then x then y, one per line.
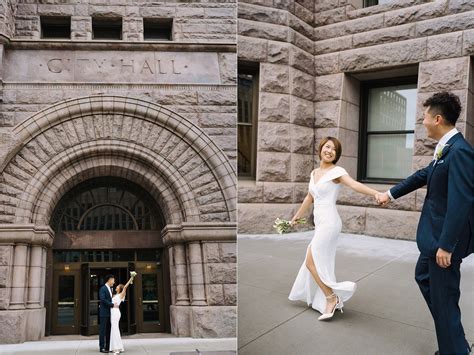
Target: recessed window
pixel 387 130
pixel 157 29
pixel 106 28
pixel 247 102
pixel 55 27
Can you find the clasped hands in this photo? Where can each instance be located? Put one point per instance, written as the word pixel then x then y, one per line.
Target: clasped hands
pixel 443 257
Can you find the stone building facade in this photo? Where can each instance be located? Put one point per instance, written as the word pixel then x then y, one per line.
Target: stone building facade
pixel 157 116
pixel 316 61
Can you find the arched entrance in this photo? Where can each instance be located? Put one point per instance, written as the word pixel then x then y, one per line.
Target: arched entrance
pixel 183 172
pixel 103 226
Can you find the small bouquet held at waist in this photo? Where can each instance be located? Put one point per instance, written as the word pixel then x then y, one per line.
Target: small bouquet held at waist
pixel 283 226
pixel 132 275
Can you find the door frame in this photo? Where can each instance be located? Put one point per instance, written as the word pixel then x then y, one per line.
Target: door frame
pixel 75 328
pixel 141 268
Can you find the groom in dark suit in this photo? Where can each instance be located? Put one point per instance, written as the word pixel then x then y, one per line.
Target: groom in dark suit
pixel 105 297
pixel 445 230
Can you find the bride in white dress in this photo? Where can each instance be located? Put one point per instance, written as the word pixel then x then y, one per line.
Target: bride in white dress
pixel 316 282
pixel 116 345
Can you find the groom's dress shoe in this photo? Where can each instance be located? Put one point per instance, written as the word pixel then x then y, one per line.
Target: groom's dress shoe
pixel 437 352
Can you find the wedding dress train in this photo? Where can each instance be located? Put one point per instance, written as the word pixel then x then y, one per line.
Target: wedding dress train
pixel 323 246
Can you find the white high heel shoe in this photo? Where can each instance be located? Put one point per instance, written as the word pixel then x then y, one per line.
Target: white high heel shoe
pixel 338 306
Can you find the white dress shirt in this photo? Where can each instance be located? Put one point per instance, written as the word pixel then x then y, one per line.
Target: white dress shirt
pixel 108 288
pixel 442 142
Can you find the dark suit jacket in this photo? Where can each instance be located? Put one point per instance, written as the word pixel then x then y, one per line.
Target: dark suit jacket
pixel 105 302
pixel 447 220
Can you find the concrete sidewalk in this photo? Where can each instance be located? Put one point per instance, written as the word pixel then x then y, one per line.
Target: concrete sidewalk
pixel 138 344
pixel 386 315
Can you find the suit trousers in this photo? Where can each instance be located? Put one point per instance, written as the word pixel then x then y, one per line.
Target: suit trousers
pixel 104 333
pixel 440 288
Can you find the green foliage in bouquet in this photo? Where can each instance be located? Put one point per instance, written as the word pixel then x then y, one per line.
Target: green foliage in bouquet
pixel 283 226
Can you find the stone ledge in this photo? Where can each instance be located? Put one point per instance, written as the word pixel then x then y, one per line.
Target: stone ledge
pixel 205 231
pixel 26 233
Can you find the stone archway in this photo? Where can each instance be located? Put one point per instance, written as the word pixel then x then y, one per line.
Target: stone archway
pixel 187 174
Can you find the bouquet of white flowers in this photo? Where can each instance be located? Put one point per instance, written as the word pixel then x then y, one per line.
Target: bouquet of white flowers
pixel 283 226
pixel 132 275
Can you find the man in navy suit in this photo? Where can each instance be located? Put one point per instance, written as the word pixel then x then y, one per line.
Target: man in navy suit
pixel 445 229
pixel 105 297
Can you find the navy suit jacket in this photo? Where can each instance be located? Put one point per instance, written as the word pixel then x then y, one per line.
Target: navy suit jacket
pixel 446 220
pixel 105 302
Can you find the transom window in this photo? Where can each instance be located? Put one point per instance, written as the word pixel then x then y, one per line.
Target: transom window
pixel 107 204
pixel 55 27
pixel 106 28
pixel 387 130
pixel 368 3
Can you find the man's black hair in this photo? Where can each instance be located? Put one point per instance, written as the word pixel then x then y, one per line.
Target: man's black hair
pixel 108 277
pixel 445 104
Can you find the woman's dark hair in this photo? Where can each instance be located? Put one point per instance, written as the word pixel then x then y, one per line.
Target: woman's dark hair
pixel 445 104
pixel 108 277
pixel 337 145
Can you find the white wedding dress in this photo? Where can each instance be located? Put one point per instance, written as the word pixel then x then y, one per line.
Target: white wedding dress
pixel 116 344
pixel 323 245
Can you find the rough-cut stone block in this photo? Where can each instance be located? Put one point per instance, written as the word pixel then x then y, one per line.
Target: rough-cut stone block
pixel 327 113
pixel 263 30
pixel 460 5
pixel 262 14
pixel 274 78
pixel 384 55
pixel 275 192
pixel 301 167
pixel 274 107
pixel 273 166
pixel 444 46
pixel 329 87
pixel 353 218
pixel 278 52
pixel 252 49
pixel 391 34
pixel 214 322
pixel 259 218
pixel 222 273
pixel 301 41
pixel 230 294
pixel 353 26
pixel 215 295
pixel 328 17
pixel 423 144
pixel 250 192
pixel 211 252
pixel 445 24
pixel 333 44
pixel 415 13
pixel 391 223
pixel 447 74
pixel 228 252
pixel 5 255
pixel 301 60
pixel 303 13
pixel 302 84
pixel 302 139
pixel 326 64
pixel 420 162
pixel 274 137
pixel 302 111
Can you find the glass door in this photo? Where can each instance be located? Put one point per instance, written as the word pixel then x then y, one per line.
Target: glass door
pixel 150 312
pixel 66 305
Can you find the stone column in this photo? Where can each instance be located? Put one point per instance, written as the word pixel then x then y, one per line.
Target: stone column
pixel 17 300
pixel 35 277
pixel 44 254
pixel 182 293
pixel 198 295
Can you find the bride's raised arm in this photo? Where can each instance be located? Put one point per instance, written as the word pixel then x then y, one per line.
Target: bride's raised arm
pixel 357 186
pixel 124 291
